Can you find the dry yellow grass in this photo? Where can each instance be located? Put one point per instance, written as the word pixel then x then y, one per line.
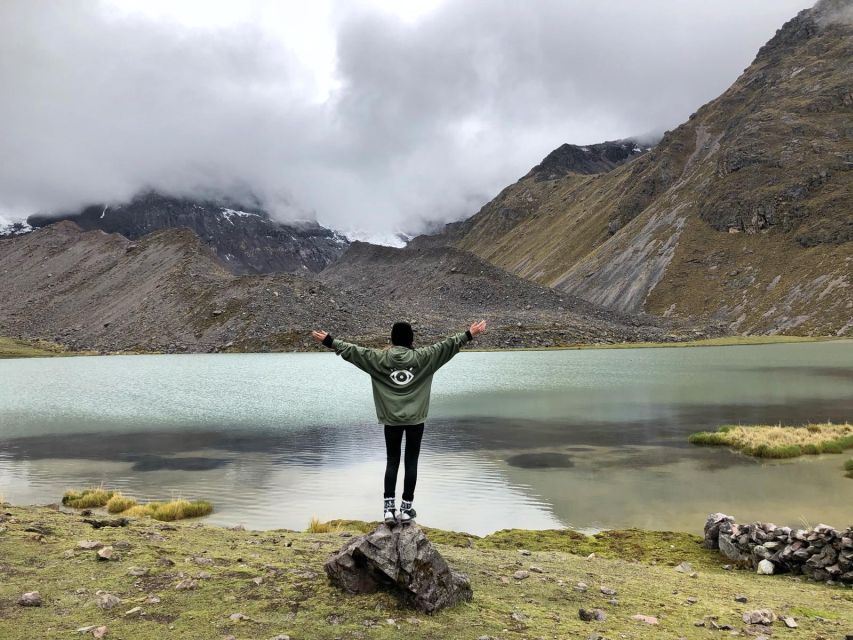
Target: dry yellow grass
pixel 115 502
pixel 315 526
pixel 776 441
pixel 87 498
pixel 120 503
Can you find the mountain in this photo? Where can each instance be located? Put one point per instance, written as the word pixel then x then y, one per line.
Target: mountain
pixel 741 215
pixel 168 291
pixel 591 159
pixel 244 237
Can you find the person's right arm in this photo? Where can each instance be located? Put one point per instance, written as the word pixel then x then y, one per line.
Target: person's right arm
pixel 362 357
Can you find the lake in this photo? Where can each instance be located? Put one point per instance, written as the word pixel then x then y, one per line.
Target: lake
pixel 587 439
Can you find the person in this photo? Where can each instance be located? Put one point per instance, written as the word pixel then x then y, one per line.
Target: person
pixel 402 379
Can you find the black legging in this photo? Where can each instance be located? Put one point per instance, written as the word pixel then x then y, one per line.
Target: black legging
pixel 393 440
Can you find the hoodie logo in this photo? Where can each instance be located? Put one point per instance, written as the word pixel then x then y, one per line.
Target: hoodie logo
pixel 402 377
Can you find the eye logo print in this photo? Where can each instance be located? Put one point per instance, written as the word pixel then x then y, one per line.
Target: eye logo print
pixel 402 377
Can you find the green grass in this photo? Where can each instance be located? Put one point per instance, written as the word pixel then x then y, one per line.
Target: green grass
pixel 848 467
pixel 16 348
pixel 296 598
pixel 810 612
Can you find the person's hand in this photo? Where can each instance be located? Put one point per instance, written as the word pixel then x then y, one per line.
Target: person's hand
pixel 319 336
pixel 477 328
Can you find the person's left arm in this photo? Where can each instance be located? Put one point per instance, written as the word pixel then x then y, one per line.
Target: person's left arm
pixel 440 353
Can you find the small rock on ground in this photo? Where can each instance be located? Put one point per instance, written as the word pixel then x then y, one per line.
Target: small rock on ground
pixel 521 574
pixel 186 584
pixel 643 618
pixel 765 568
pixel 759 616
pixel 106 600
pixel 30 599
pixel 588 615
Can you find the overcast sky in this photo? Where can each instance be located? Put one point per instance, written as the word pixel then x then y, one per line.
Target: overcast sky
pixel 374 117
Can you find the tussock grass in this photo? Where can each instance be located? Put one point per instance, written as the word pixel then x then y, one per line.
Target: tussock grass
pixel 768 441
pixel 116 502
pixel 86 498
pixel 315 526
pixel 137 511
pixel 848 467
pixel 119 503
pixel 179 509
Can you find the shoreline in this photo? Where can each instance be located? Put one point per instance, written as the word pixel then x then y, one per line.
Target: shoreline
pixel 17 348
pixel 531 583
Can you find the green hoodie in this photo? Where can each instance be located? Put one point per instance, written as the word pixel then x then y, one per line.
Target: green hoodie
pixel 401 376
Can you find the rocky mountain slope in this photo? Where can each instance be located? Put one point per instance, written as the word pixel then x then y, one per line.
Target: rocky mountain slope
pixel 244 237
pixel 741 215
pixel 591 159
pixel 167 291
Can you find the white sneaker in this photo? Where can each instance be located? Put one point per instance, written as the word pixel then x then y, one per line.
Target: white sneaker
pixel 407 515
pixel 390 517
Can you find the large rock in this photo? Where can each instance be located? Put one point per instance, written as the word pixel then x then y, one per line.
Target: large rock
pixel 400 559
pixel 712 529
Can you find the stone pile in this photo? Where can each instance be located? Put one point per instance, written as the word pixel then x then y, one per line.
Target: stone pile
pixel 822 553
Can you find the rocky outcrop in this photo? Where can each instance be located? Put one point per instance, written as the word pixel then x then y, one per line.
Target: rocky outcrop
pixel 823 553
pixel 587 160
pixel 243 236
pixel 403 560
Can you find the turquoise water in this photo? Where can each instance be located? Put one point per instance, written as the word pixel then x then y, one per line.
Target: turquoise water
pixel 589 439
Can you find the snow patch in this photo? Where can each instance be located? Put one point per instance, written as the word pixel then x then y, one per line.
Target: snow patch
pixel 230 213
pixel 104 212
pixel 14 228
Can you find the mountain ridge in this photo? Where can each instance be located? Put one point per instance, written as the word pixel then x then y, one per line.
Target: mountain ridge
pixel 244 236
pixel 168 291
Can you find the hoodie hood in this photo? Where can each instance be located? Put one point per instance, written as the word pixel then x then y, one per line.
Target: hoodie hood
pixel 401 356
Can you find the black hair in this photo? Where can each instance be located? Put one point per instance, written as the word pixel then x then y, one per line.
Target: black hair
pixel 402 334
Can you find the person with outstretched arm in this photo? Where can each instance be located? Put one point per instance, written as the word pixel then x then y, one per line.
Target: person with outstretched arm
pixel 402 379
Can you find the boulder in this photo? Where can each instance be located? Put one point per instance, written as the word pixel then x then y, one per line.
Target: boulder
pixel 712 529
pixel 403 560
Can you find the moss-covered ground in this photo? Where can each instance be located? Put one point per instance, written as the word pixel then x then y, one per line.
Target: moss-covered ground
pixel 15 348
pixel 276 579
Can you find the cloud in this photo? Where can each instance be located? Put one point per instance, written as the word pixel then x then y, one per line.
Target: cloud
pixel 422 119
